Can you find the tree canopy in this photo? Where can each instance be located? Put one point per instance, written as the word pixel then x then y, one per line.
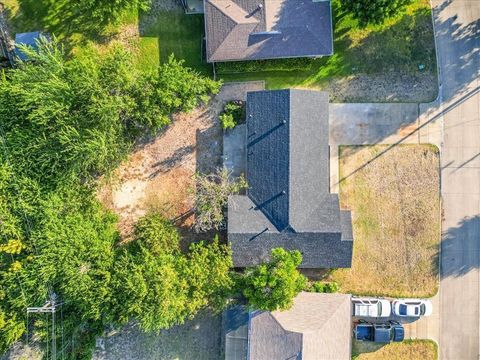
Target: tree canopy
pixel 373 11
pixel 160 287
pixel 273 285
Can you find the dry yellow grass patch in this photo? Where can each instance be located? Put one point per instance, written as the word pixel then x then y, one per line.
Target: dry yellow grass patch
pixel 395 206
pixel 409 349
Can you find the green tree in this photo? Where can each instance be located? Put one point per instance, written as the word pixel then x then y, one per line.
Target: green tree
pixel 373 11
pixel 74 119
pixel 273 285
pixel 156 234
pixel 160 287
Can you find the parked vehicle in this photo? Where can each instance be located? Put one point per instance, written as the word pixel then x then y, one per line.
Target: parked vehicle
pixel 379 333
pixel 412 307
pixel 369 307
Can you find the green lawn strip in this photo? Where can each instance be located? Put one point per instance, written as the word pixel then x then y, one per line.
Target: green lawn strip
pixel 408 349
pixel 402 44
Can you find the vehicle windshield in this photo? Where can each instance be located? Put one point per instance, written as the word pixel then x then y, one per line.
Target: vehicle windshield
pixel 403 309
pixel 422 309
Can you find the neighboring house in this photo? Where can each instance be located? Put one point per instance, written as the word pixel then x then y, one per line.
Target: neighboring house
pixel 30 39
pixel 267 29
pixel 288 202
pixel 317 327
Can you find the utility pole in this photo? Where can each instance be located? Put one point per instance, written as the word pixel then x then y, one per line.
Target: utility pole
pixel 48 307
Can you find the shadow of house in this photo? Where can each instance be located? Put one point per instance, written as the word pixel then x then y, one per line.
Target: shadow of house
pixel 252 30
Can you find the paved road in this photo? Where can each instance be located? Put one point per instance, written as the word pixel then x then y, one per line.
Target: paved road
pixel 458 43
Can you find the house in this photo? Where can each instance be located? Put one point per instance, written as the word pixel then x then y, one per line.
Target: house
pixel 267 29
pixel 29 39
pixel 317 327
pixel 288 202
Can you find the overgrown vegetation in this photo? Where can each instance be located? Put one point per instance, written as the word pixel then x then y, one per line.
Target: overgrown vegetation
pixel 394 197
pixel 232 115
pixel 68 120
pixel 158 286
pixel 273 285
pixel 292 64
pixel 373 11
pixel 64 123
pixel 211 198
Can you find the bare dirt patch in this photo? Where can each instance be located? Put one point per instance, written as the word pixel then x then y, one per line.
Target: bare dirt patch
pixel 158 175
pixel 395 205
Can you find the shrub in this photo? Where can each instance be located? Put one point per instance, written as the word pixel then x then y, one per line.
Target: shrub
pixel 227 121
pixel 296 64
pixel 324 287
pixel 233 114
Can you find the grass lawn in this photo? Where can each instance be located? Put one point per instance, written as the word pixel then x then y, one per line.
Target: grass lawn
pixel 396 220
pixel 179 34
pixel 408 349
pixel 397 47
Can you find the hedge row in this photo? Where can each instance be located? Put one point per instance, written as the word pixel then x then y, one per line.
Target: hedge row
pixel 296 64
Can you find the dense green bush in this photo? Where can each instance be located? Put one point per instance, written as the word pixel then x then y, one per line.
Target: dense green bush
pixel 324 287
pixel 158 286
pixel 273 285
pixel 75 119
pixel 233 114
pixel 294 64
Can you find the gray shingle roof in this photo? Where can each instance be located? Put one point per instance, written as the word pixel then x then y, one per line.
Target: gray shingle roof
pixel 288 203
pixel 318 326
pixel 267 29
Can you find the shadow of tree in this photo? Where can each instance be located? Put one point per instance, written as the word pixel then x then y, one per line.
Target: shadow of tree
pixel 459 62
pixel 460 253
pixel 60 18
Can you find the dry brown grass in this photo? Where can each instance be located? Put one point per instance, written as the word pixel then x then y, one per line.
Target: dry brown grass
pixel 409 349
pixel 396 220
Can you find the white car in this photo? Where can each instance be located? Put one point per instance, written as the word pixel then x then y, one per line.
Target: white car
pixel 369 307
pixel 412 307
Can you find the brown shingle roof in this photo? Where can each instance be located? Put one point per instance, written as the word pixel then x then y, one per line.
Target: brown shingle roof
pixel 261 29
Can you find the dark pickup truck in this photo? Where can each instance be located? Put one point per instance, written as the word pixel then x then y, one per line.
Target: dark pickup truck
pixel 379 333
